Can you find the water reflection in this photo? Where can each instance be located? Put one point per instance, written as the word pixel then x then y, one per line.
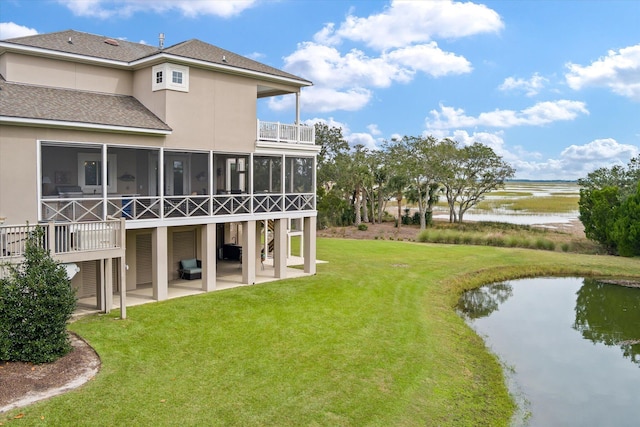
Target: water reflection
pixel 568 343
pixel 483 301
pixel 609 314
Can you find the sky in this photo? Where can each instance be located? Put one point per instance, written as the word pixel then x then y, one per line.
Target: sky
pixel 553 86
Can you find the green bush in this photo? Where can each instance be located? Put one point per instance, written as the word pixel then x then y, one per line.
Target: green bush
pixel 363 227
pixel 36 301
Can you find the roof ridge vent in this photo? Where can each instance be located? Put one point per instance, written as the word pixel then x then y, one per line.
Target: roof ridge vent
pixel 112 42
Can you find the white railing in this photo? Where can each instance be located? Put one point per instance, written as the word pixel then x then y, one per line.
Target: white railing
pixel 67 209
pixel 155 207
pixel 288 133
pixel 62 238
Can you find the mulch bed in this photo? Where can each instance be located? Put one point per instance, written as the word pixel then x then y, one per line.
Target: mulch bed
pixel 24 383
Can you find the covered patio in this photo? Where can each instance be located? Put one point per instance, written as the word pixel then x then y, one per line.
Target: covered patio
pixel 229 275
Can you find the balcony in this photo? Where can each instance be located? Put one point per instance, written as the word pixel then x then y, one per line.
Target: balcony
pixel 286 133
pixel 65 240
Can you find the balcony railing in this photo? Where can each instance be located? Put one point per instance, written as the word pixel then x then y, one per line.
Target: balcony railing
pixel 287 133
pixel 173 207
pixel 63 238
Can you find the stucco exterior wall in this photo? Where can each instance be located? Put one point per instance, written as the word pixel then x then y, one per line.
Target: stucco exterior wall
pixel 65 74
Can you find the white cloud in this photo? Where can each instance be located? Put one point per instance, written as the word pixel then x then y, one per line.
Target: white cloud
pixel 323 100
pixel 429 59
pixel 10 30
pixel 124 8
pixel 393 46
pixel 362 138
pixel 407 22
pixel 373 129
pixel 574 162
pixel 530 87
pixel 600 149
pixel 539 114
pixel 326 66
pixel 618 71
pixel 353 138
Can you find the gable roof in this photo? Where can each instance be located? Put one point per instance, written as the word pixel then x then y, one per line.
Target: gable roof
pixel 22 103
pixel 124 53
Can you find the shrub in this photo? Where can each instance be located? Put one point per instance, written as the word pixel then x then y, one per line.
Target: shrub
pixel 36 301
pixel 363 227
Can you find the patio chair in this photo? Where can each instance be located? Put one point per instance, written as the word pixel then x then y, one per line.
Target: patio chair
pixel 190 269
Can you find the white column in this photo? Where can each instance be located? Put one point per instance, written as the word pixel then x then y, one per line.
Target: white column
pixel 208 249
pixel 123 288
pixel 249 252
pixel 105 189
pixel 108 284
pixel 101 286
pixel 310 244
pixel 280 248
pixel 131 261
pixel 159 256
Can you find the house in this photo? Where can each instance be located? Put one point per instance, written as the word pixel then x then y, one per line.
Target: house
pixel 134 157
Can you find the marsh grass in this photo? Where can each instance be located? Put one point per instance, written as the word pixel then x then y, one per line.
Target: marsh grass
pixel 533 205
pixel 506 235
pixel 372 339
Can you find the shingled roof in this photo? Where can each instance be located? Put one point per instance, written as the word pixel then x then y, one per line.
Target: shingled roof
pixel 105 48
pixel 21 101
pixel 85 44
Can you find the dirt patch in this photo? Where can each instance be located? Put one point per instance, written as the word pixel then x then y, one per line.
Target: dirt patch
pixel 24 383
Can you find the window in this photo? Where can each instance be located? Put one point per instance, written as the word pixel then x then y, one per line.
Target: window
pixel 177 77
pixel 90 172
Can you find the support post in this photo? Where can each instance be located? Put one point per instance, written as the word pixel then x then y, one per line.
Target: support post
pixel 310 244
pixel 123 288
pixel 159 255
pixel 280 244
pixel 249 252
pixel 108 284
pixel 208 250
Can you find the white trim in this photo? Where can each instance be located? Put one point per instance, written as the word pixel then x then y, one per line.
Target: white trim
pixel 79 125
pixel 167 69
pixel 221 219
pixel 263 147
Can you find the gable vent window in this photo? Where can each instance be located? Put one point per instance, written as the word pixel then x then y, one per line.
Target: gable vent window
pixel 177 77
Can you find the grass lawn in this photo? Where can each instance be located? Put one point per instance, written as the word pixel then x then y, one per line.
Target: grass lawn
pixel 371 340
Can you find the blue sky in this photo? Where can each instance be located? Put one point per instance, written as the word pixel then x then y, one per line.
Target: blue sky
pixel 552 86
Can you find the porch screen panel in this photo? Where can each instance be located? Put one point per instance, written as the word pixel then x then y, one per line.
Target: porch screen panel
pixel 184 247
pixel 144 272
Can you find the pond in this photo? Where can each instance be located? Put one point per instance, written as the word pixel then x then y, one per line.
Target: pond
pixel 570 346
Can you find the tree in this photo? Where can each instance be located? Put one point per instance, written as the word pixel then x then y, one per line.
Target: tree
pixel 412 162
pixel 598 212
pixel 36 301
pixel 609 207
pixel 626 228
pixel 469 173
pixel 332 172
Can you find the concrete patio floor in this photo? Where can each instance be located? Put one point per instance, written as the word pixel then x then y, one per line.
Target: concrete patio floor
pixel 229 275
